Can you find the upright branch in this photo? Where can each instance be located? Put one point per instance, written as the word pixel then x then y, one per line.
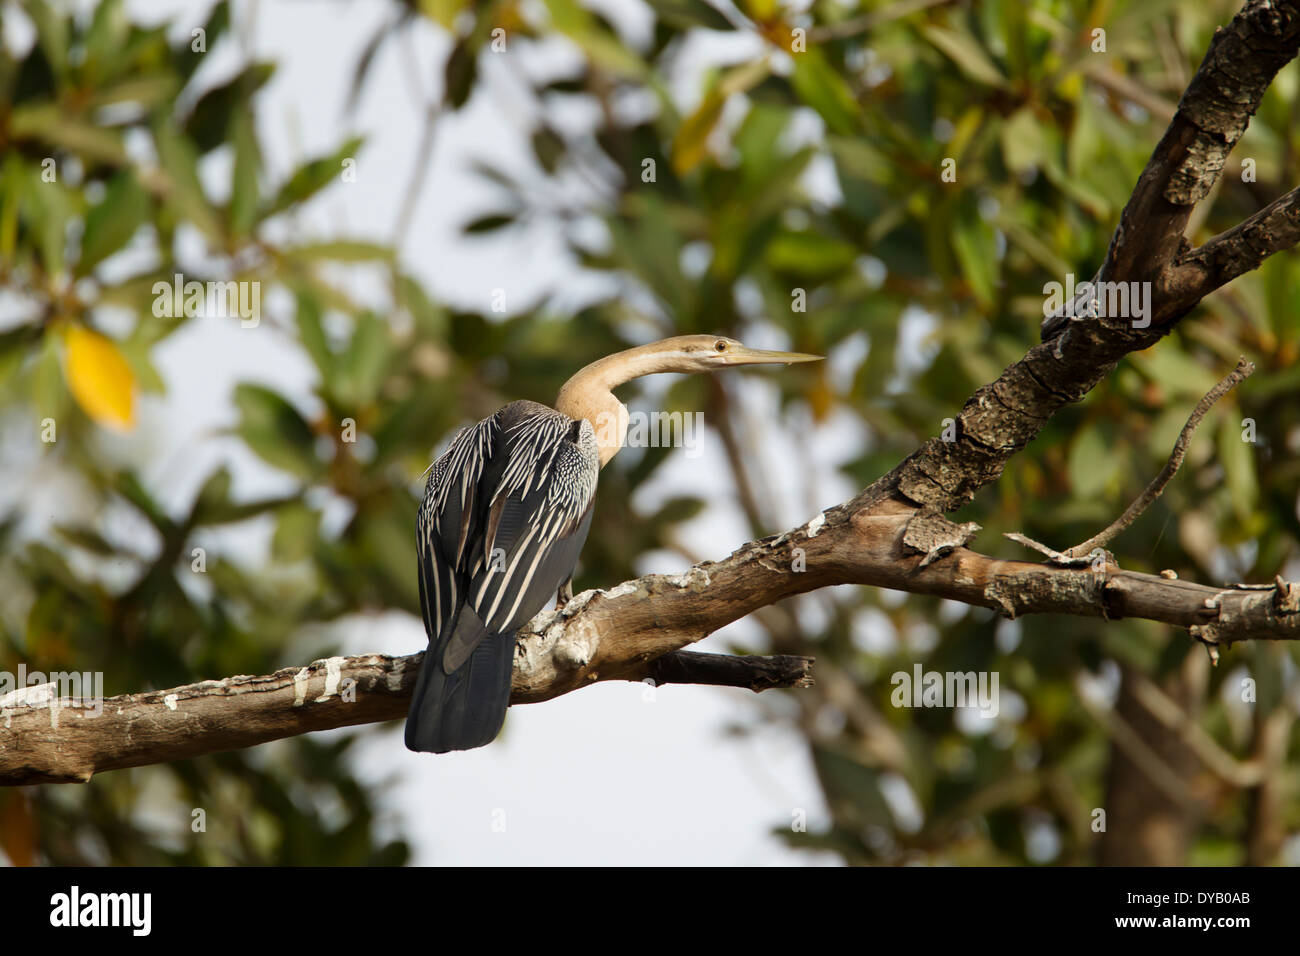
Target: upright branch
pixel 1148 245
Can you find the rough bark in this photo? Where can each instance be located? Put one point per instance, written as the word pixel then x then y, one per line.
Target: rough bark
pixel 45 740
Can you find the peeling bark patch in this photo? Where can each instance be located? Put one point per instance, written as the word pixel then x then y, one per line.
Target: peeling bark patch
pixel 1198 172
pixel 38 695
pixel 1000 598
pixel 696 579
pixel 393 680
pixel 933 535
pixel 333 670
pixel 1082 592
pixel 577 648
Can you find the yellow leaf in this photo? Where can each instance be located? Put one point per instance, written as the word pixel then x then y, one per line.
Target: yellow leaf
pixel 760 10
pixel 99 378
pixel 444 12
pixel 691 144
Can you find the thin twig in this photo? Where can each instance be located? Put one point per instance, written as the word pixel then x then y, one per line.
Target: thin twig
pixel 1157 485
pixel 746 491
pixel 433 107
pixel 1056 556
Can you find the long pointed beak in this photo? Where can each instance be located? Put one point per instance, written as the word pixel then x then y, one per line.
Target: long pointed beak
pixel 748 356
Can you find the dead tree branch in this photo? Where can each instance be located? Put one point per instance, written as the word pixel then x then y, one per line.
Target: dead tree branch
pixel 47 740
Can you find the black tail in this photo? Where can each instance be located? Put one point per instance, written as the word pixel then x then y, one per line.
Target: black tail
pixel 464 709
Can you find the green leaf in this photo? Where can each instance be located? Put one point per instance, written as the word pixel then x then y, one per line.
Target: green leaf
pixel 965 51
pixel 341 250
pixel 460 73
pixel 1238 460
pixel 105 41
pixel 690 145
pixel 112 222
pixel 312 335
pixel 684 14
pixel 51 32
pixel 275 431
pixel 136 350
pixel 761 11
pixel 1092 465
pixel 88 539
pixel 313 176
pixel 678 509
pixel 296 531
pixel 491 223
pixel 146 92
pixel 973 242
pixel 854 786
pixel 1175 370
pixel 549 148
pixel 209 121
pixel 49 210
pixel 820 86
pixel 49 394
pixel 809 254
pixel 602 47
pixel 360 370
pixel 243 177
pixel 51 125
pixel 649 247
pixel 1022 141
pixel 185 57
pixel 443 12
pixel 367 60
pixel 214 506
pixel 859 158
pixel 185 192
pixel 13 187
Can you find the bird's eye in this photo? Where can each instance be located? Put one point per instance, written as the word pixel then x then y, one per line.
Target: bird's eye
pixel 721 345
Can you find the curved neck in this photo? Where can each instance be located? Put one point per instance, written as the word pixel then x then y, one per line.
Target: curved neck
pixel 590 393
pixel 614 370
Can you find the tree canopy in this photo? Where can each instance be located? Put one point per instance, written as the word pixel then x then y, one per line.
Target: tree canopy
pixel 892 185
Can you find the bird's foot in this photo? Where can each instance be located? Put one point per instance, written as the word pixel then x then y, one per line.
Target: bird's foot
pixel 564 595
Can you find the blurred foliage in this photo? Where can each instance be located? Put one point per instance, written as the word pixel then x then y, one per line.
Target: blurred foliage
pixel 795 193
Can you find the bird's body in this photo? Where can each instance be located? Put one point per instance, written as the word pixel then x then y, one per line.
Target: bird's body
pixel 505 513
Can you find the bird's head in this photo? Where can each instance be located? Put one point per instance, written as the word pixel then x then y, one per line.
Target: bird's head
pixel 589 393
pixel 707 353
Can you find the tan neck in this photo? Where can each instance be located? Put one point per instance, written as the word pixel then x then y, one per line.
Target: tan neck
pixel 590 393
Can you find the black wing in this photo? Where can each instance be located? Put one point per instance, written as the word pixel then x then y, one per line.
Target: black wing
pixel 506 512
